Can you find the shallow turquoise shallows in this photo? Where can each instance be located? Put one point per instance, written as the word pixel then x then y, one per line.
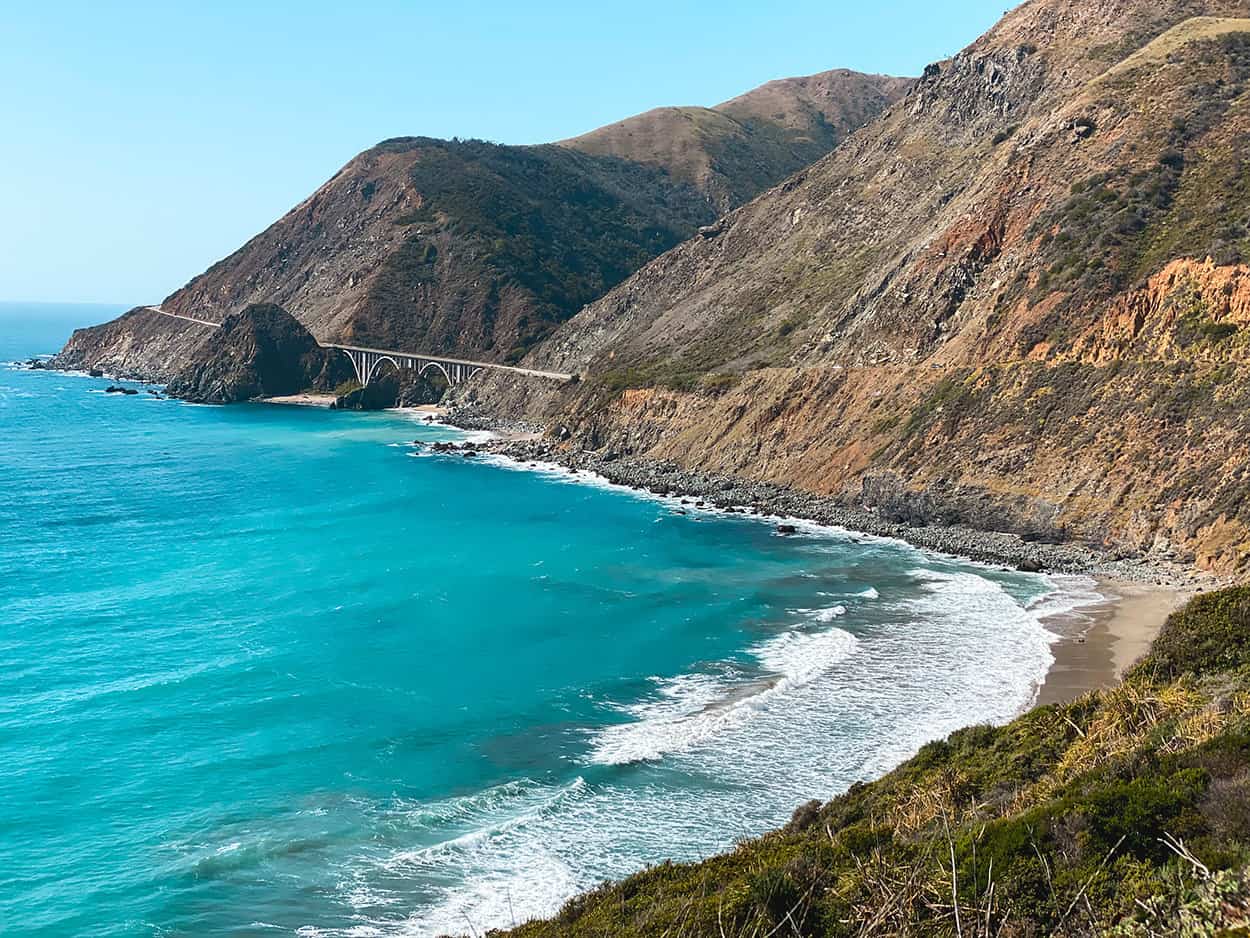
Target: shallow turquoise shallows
pixel 268 670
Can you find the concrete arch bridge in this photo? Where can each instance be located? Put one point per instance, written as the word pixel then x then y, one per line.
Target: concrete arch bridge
pixel 368 361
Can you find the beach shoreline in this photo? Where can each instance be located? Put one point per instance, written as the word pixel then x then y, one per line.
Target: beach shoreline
pixel 303 399
pixel 527 447
pixel 1098 643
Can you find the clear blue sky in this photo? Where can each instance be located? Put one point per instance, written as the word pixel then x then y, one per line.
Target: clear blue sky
pixel 140 142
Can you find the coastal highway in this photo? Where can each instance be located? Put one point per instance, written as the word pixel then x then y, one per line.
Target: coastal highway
pixel 394 355
pixel 199 322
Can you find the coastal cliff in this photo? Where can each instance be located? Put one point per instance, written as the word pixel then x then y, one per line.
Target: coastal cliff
pixel 140 344
pixel 1017 300
pixel 262 351
pixel 259 352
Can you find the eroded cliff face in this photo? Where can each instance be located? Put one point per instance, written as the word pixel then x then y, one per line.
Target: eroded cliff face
pixel 139 344
pixel 1018 299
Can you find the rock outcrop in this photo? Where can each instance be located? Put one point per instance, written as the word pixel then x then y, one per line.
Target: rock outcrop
pixel 402 388
pixel 260 352
pixel 140 344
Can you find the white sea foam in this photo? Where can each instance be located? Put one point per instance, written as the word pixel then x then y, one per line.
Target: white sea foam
pixel 802 657
pixel 692 709
pixel 823 709
pixel 1073 598
pixel 829 614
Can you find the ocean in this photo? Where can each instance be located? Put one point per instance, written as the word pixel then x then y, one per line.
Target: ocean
pixel 271 670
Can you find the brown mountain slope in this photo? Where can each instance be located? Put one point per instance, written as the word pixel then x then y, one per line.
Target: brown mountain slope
pixel 479 250
pixel 459 247
pixel 737 149
pixel 998 293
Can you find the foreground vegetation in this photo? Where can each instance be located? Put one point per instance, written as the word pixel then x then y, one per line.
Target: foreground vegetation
pixel 1125 812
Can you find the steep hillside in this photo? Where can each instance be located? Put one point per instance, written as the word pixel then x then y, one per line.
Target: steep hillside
pixel 1024 285
pixel 1126 812
pixel 138 344
pixel 739 148
pixel 461 247
pixel 478 250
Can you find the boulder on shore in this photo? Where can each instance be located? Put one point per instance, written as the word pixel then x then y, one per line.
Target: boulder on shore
pixel 263 351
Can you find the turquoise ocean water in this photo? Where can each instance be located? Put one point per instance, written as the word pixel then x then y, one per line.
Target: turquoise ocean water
pixel 265 670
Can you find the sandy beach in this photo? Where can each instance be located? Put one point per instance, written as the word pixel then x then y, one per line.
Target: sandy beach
pixel 302 400
pixel 1101 642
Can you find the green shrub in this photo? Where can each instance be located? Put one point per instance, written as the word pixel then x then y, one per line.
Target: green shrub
pixel 1212 632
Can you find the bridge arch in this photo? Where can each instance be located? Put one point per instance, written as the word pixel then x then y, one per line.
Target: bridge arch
pixel 366 362
pixel 376 364
pixel 440 366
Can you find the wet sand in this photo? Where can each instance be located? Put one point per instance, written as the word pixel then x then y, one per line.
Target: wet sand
pixel 1101 642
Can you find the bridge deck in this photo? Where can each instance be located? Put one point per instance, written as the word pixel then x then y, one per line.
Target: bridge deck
pixel 533 372
pixel 392 353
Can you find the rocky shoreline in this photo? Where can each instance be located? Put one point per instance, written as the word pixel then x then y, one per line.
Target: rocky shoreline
pixel 710 491
pixel 525 443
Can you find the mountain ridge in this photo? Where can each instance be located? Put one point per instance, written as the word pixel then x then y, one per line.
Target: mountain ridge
pixel 795 120
pixel 915 314
pixel 469 248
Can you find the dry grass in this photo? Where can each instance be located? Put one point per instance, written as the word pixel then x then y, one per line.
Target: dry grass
pixel 1157 51
pixel 1128 715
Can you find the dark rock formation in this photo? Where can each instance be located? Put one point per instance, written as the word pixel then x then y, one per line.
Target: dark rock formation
pixel 260 352
pixel 393 389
